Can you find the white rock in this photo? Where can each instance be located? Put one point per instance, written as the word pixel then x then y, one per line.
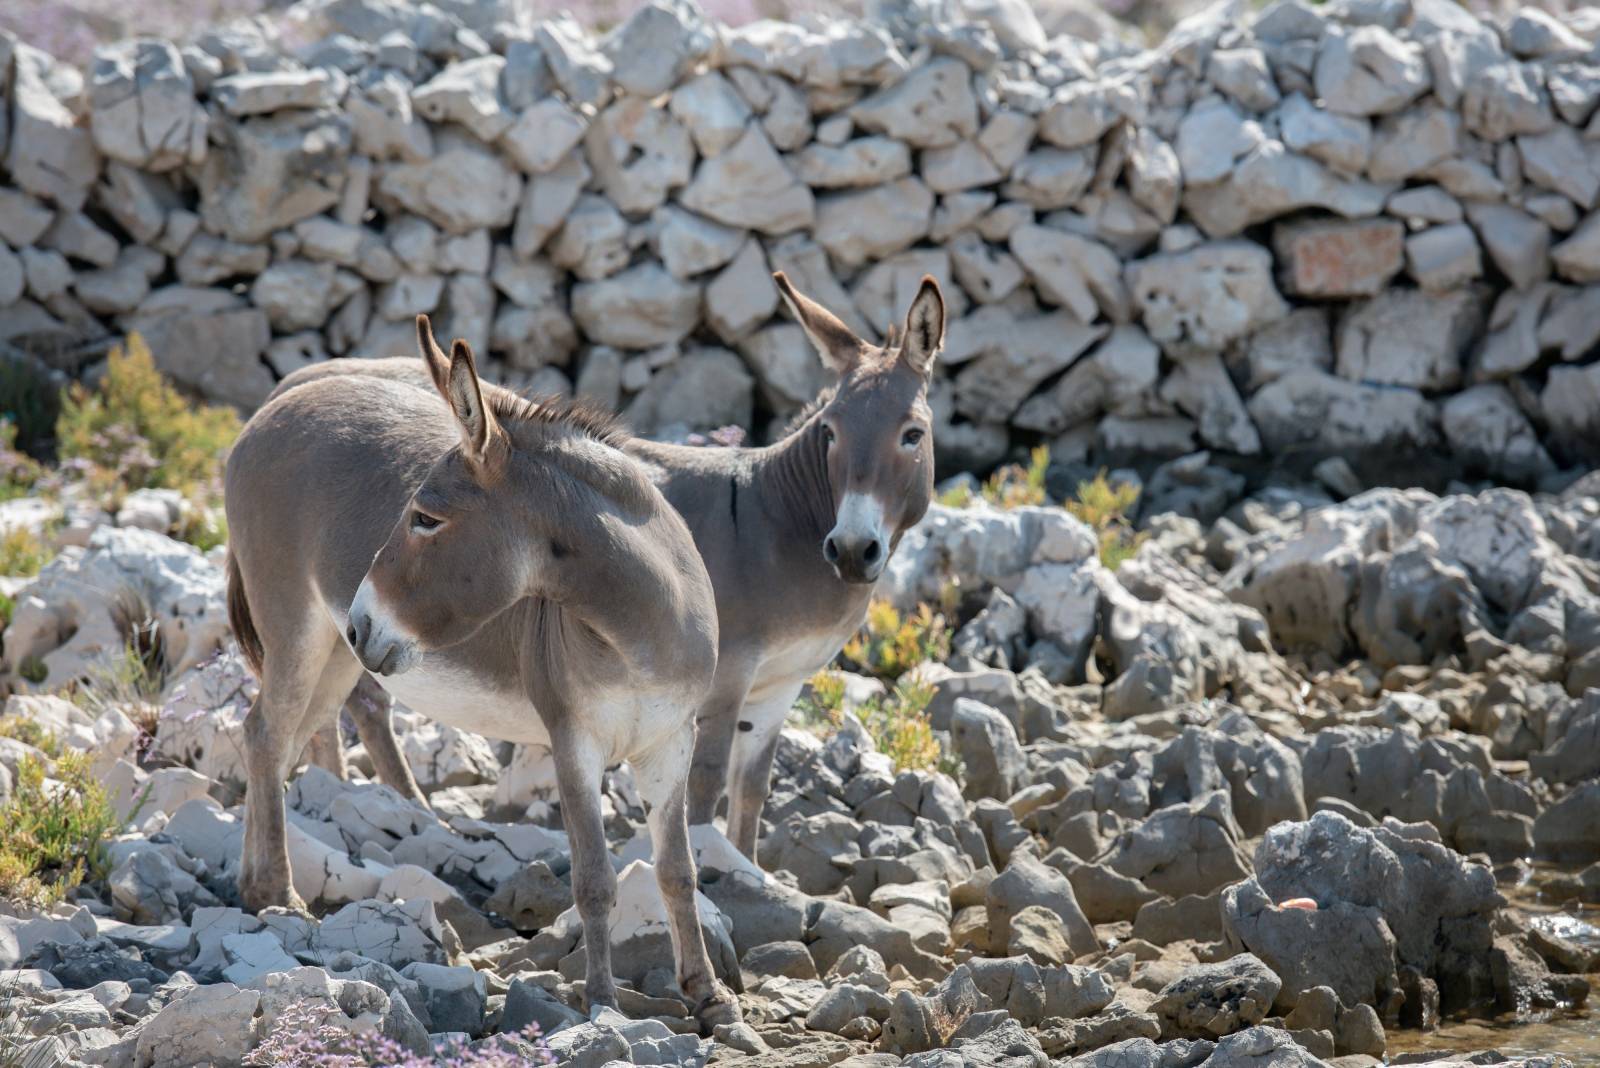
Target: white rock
pixel 1578 257
pixel 50 155
pixel 639 153
pixel 1369 71
pixel 931 107
pixel 640 308
pixel 261 93
pixel 1442 258
pixel 1332 414
pixel 712 110
pixel 468 94
pixel 1072 271
pixel 543 135
pixel 394 933
pixel 81 595
pixel 464 186
pixel 859 162
pixel 689 245
pixel 749 186
pixel 201 1025
pixel 1484 426
pixel 142 106
pixel 1206 296
pixel 1409 338
pixel 860 226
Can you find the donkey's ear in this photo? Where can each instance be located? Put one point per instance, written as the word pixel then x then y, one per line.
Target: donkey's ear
pixel 840 349
pixel 924 327
pixel 438 363
pixel 465 397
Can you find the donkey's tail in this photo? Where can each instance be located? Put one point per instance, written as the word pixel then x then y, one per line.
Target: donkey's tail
pixel 244 627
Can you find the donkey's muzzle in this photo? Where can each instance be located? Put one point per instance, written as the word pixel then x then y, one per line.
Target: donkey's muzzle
pixel 855 558
pixel 381 656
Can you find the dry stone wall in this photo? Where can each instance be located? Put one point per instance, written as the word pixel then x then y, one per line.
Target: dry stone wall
pixel 1366 227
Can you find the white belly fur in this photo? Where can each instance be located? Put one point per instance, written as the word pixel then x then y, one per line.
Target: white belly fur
pixel 624 725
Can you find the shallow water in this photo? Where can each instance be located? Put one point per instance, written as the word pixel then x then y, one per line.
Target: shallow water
pixel 1573 1034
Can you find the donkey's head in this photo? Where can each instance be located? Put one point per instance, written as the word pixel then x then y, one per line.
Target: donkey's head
pixel 463 549
pixel 876 428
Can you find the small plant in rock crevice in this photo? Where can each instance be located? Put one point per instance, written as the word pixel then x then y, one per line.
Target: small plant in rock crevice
pixel 1106 507
pixel 56 830
pixel 821 706
pixel 899 725
pixel 25 730
pixel 22 553
pixel 1011 486
pixel 892 643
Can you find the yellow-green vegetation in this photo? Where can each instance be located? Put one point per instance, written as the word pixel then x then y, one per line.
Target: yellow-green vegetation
pixel 1011 486
pixel 19 472
pixel 891 644
pixel 204 528
pixel 22 553
pixel 55 831
pixel 821 707
pixel 1016 485
pixel 26 731
pixel 897 721
pixel 1105 508
pixel 899 726
pixel 135 431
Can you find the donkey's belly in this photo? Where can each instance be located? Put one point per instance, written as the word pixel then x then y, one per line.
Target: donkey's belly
pixel 450 695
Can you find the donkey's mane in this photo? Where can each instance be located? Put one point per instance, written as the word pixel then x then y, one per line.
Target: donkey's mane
pixel 803 416
pixel 552 412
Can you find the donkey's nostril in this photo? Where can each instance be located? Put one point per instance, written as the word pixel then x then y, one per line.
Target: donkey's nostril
pixel 830 549
pixel 350 635
pixel 870 553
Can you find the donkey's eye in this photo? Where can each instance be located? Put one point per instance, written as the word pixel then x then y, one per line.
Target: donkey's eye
pixel 423 523
pixel 827 434
pixel 912 437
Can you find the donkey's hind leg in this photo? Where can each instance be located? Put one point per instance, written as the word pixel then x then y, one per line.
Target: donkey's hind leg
pixel 662 780
pixel 300 686
pixel 579 766
pixel 327 751
pixel 372 709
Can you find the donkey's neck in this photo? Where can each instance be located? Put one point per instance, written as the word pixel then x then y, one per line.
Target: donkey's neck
pixel 792 476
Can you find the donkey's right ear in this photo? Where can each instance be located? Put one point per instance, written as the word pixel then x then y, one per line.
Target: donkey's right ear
pixel 438 363
pixel 465 396
pixel 839 348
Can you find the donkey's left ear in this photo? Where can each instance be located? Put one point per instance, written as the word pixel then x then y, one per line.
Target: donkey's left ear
pixel 465 396
pixel 924 327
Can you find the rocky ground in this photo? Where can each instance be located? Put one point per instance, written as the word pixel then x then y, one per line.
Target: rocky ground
pixel 1261 796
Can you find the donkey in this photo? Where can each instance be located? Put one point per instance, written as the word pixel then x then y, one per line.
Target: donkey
pixel 795 535
pixel 504 567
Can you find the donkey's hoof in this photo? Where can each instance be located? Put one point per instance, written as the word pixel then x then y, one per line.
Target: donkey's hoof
pixel 258 899
pixel 717 1009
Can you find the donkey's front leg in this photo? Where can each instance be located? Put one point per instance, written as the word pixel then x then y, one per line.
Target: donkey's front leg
pixel 372 710
pixel 579 767
pixel 661 779
pixel 755 742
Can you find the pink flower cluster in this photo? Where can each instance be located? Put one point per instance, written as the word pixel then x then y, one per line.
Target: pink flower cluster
pixel 303 1036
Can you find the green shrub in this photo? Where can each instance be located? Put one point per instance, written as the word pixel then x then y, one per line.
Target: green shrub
pixel 19 472
pixel 1105 509
pixel 22 554
pixel 821 706
pixel 891 645
pixel 28 732
pixel 55 833
pixel 135 431
pixel 899 725
pixel 204 528
pixel 1014 485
